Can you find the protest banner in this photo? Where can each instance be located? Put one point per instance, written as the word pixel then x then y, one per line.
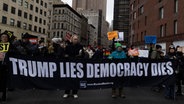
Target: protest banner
pixel 29 72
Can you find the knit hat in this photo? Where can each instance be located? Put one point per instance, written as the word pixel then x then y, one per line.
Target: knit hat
pixel 171 47
pixel 25 36
pixel 118 45
pixel 158 46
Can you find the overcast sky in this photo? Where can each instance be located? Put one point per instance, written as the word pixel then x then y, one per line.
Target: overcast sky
pixel 110 6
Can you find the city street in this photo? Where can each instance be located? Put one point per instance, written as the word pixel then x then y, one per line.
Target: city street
pixel 136 95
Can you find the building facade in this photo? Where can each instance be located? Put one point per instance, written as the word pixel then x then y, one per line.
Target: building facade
pixel 121 18
pixel 24 16
pixel 90 5
pixel 162 18
pixel 95 12
pixel 91 35
pixel 95 18
pixel 63 20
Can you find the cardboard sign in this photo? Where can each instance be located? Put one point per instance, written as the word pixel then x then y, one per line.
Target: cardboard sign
pixel 4 47
pixel 112 34
pixel 144 53
pixel 150 39
pixel 120 36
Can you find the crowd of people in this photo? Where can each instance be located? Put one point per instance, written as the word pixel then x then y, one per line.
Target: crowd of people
pixel 59 48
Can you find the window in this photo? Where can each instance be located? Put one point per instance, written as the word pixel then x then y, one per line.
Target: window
pixel 44 31
pixel 26 4
pixel 19 13
pixel 159 1
pixel 145 22
pixel 31 7
pixel 35 28
pixel 44 22
pixel 40 21
pixel 134 17
pixel 30 17
pixel 58 26
pixel 61 34
pixel 41 11
pixel 175 27
pixel 45 13
pixel 175 6
pixel 36 19
pixel 62 26
pixel 12 10
pixel 37 1
pixel 25 15
pixel 145 33
pixel 55 12
pixel 41 3
pixel 36 10
pixel 161 30
pixel 40 30
pixel 18 23
pixel 4 20
pixel 20 2
pixel 45 5
pixel 142 36
pixel 54 25
pixel 30 27
pixel 14 1
pixel 5 7
pixel 58 34
pixel 165 30
pixel 132 7
pixel 141 9
pixel 12 22
pixel 24 25
pixel 161 13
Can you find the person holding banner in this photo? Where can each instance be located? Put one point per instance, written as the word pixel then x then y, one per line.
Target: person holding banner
pixel 118 54
pixel 73 51
pixel 4 48
pixel 179 70
pixel 156 54
pixel 170 83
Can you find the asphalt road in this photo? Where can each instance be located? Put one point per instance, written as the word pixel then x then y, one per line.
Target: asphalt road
pixel 134 95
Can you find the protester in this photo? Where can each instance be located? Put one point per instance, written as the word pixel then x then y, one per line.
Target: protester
pixel 170 83
pixel 90 51
pixel 43 51
pixel 25 47
pixel 5 38
pixel 73 51
pixel 118 54
pixel 58 48
pixel 179 70
pixel 98 54
pixel 157 54
pixel 50 49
